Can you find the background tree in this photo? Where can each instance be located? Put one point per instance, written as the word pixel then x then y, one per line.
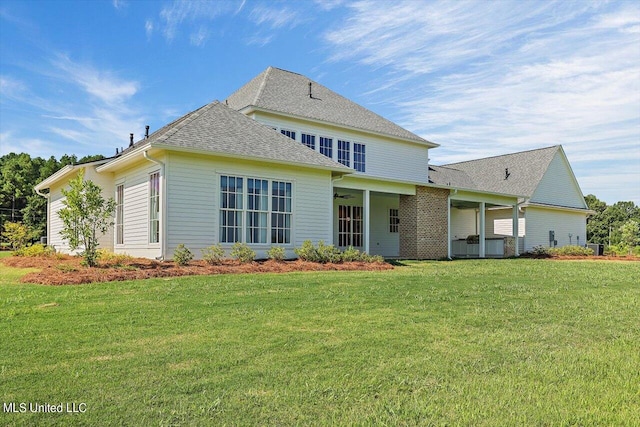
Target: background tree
pixel 604 226
pixel 19 173
pixel 86 216
pixel 630 235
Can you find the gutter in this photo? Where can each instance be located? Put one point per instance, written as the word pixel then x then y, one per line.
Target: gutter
pixel 163 199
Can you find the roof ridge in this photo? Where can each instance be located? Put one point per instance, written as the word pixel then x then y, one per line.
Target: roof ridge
pixel 262 85
pixel 504 155
pixel 178 124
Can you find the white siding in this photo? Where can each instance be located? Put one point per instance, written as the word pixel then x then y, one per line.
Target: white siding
pixel 463 223
pixel 385 158
pixel 136 210
pixel 192 208
pixel 56 198
pixel 558 186
pixel 540 221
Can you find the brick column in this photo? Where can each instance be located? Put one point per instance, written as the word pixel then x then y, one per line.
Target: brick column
pixel 424 224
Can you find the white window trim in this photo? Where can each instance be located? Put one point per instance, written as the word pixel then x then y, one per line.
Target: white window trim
pixel 160 203
pixel 243 234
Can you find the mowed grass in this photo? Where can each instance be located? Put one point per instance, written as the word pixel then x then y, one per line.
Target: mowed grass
pixel 487 342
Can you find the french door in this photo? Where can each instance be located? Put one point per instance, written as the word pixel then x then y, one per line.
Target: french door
pixel 350 226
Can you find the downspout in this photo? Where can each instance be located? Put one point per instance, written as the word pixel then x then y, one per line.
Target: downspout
pixel 163 200
pixel 46 196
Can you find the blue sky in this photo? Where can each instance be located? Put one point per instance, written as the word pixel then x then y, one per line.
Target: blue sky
pixel 479 78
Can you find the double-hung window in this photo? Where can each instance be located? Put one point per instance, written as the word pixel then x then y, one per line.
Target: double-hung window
pixel 343 152
pixel 309 140
pixel 154 207
pixel 290 133
pixel 359 157
pixel 119 214
pixel 231 208
pixel 326 146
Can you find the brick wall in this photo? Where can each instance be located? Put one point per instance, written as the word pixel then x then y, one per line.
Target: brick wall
pixel 423 224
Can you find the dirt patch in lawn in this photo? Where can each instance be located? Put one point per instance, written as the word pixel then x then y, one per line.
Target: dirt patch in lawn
pixel 67 270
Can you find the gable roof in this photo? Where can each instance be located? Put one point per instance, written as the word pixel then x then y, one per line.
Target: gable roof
pixel 286 92
pixel 525 171
pixel 218 129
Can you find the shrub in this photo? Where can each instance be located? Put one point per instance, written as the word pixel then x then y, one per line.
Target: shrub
pixel 328 253
pixel 182 255
pixel 242 253
pixel 372 259
pixel 351 254
pixel 108 257
pixel 17 234
pixel 538 252
pixel 276 253
pixel 213 255
pixel 307 252
pixel 571 250
pixel 34 251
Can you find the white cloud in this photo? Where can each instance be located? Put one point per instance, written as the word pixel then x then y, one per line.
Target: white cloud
pixel 103 85
pixel 120 4
pixel 275 17
pixel 199 37
pixel 181 12
pixel 488 78
pixel 148 28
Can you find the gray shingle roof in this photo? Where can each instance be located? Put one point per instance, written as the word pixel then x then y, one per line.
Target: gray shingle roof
pixel 219 129
pixel 286 92
pixel 525 168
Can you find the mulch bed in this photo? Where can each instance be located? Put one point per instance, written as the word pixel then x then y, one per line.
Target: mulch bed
pixel 67 270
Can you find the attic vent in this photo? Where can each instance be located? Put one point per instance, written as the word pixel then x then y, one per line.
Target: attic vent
pixel 310 92
pixel 146 132
pixel 130 140
pixel 506 173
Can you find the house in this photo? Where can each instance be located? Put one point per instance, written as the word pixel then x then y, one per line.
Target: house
pixel 285 159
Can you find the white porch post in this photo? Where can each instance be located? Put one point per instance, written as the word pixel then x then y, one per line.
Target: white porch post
pixel 481 251
pixel 515 227
pixel 367 204
pixel 449 227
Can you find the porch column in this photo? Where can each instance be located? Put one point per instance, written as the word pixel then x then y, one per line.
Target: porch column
pixel 367 204
pixel 515 228
pixel 481 249
pixel 449 227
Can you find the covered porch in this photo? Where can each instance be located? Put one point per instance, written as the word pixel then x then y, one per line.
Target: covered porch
pixel 483 225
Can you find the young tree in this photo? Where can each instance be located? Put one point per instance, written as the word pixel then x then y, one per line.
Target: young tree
pixel 86 215
pixel 17 234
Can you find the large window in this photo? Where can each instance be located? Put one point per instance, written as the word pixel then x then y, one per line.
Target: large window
pixel 358 157
pixel 309 140
pixel 154 207
pixel 326 146
pixel 119 214
pixel 281 212
pixel 343 152
pixel 231 208
pixel 250 207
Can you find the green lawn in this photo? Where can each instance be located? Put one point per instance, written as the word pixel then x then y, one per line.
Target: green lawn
pixel 492 342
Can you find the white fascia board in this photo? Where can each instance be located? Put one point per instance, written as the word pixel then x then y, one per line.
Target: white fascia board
pixel 48 182
pixel 123 159
pixel 559 208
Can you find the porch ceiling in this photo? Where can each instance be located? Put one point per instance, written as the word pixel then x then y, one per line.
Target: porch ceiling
pixel 464 204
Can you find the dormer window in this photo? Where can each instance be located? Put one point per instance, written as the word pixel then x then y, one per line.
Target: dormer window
pixel 308 140
pixel 290 133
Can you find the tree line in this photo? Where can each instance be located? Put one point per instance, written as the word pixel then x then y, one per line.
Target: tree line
pixel 19 173
pixel 611 225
